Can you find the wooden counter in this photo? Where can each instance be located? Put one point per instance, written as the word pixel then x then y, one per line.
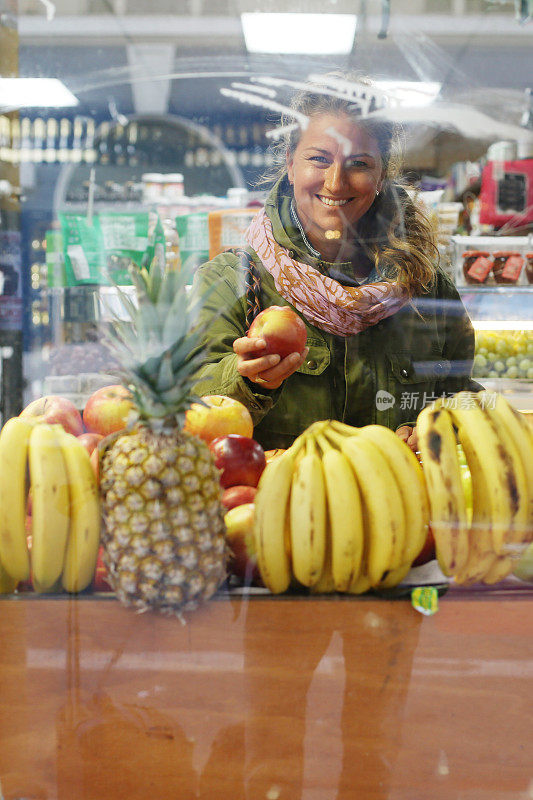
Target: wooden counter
pixel 268 698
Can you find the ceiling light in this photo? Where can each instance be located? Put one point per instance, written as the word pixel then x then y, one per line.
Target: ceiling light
pixel 316 34
pixel 409 93
pixel 35 93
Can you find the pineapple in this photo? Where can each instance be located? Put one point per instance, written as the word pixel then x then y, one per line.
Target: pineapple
pixel 163 537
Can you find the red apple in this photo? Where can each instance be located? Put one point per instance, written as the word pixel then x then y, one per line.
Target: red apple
pixel 282 329
pixel 217 416
pixel 241 459
pixel 100 583
pixel 55 409
pixel 240 538
pixel 90 440
pixel 107 410
pixel 238 496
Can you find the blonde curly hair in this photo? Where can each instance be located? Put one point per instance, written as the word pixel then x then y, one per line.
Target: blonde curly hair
pixel 395 234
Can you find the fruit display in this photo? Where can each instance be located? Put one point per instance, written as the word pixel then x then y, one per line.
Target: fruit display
pixel 498 445
pixel 163 532
pixel 504 354
pixel 320 516
pixel 64 526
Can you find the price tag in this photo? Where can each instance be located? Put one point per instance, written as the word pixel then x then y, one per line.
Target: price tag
pixel 425 599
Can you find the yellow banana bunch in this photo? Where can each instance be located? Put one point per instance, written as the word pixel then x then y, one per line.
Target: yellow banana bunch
pixel 499 451
pixel 65 518
pixel 330 512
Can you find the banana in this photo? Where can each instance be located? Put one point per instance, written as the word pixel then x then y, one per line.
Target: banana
pixel 50 506
pixel 383 514
pixel 410 479
pixel 442 473
pixel 395 576
pixel 344 515
pixel 500 569
pixel 13 457
pixel 271 521
pixel 360 585
pixel 308 517
pixel 7 583
pixel 516 429
pixel 325 584
pixel 498 479
pixel 84 537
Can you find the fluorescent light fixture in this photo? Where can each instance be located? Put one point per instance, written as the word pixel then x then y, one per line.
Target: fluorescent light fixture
pixel 35 93
pixel 409 93
pixel 317 34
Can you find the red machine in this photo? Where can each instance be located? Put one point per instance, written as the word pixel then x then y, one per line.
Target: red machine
pixel 506 196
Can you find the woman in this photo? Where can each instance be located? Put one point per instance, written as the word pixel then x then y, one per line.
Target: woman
pixel 341 242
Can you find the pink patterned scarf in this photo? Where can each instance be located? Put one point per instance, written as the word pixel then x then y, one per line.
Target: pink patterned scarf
pixel 341 310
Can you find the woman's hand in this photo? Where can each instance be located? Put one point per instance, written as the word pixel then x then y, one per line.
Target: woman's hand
pixel 409 436
pixel 268 371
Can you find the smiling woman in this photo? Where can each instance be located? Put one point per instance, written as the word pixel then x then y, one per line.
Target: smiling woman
pixel 336 172
pixel 341 242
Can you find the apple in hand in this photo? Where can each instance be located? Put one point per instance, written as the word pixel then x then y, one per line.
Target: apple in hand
pixel 54 409
pixel 282 329
pixel 238 496
pixel 239 523
pixel 107 410
pixel 217 416
pixel 241 459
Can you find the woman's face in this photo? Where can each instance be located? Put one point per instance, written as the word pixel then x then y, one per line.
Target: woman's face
pixel 336 170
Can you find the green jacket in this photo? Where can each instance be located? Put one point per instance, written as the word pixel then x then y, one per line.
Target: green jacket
pixel 386 374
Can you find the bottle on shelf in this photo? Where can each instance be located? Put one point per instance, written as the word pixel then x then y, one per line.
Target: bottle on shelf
pixel 50 153
pixel 15 140
pixel 25 140
pixel 39 133
pixel 76 153
pixel 103 154
pixel 5 139
pixel 63 153
pixel 89 153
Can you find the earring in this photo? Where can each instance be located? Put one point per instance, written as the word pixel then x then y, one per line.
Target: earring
pixel 377 192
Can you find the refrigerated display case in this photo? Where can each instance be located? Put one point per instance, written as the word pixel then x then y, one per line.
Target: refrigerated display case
pixel 502 314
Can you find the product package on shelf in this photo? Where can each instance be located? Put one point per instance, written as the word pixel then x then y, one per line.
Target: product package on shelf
pixel 492 260
pixel 98 250
pixel 227 228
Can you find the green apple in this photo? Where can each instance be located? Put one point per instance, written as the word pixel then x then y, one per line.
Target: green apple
pixel 524 567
